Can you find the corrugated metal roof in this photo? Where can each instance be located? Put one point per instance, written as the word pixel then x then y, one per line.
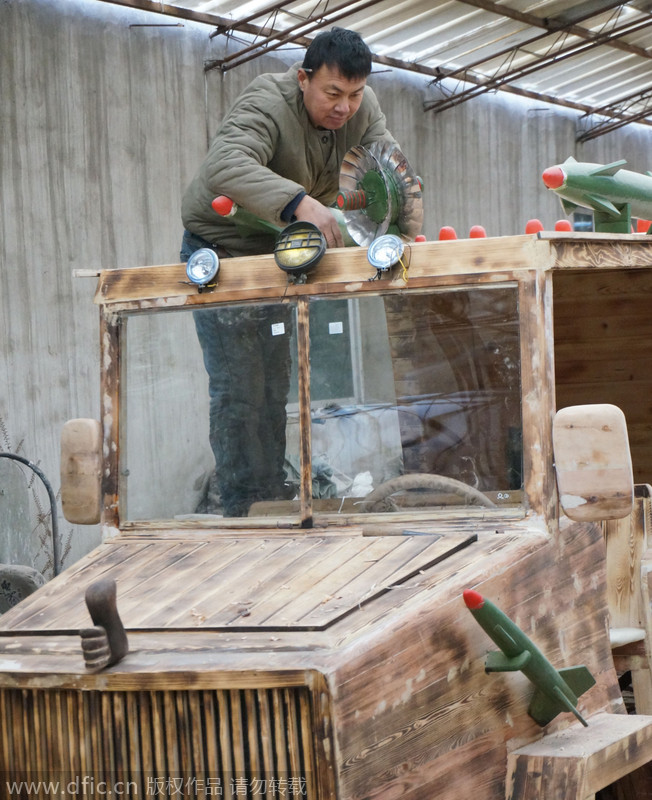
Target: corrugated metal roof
pixel 592 55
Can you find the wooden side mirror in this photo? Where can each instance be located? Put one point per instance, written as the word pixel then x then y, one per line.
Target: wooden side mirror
pixel 81 471
pixel 593 462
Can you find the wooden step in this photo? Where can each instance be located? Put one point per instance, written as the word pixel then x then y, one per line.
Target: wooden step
pixel 577 762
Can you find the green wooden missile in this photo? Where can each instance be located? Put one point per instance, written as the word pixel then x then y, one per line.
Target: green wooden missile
pixel 614 194
pixel 246 222
pixel 556 691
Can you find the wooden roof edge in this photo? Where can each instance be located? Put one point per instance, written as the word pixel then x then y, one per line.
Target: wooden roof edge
pixel 343 270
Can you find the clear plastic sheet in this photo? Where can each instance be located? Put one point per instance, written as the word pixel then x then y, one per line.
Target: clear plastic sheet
pixel 403 386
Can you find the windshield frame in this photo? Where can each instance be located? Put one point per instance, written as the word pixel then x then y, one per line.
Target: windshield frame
pixel 537 386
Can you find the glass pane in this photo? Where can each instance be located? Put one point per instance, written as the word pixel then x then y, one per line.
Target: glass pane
pixel 204 413
pixel 436 392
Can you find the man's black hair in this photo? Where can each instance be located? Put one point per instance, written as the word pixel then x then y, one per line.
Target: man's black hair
pixel 340 48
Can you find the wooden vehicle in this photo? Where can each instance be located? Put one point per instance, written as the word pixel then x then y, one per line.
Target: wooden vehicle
pixel 320 647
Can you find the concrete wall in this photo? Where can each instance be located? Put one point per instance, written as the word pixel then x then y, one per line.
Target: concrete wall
pixel 103 122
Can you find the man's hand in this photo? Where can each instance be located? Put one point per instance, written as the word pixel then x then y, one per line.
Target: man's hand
pixel 311 210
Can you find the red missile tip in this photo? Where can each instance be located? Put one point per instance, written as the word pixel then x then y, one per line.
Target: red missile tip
pixel 420 238
pixel 554 177
pixel 477 232
pixel 473 599
pixel 563 225
pixel 533 226
pixel 447 233
pixel 222 205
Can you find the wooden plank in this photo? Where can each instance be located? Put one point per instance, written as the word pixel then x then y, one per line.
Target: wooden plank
pixel 280 734
pixel 110 375
pixel 537 386
pixel 137 740
pixel 224 730
pixel 210 733
pixel 308 723
pixel 293 733
pixel 625 542
pixel 253 725
pixel 632 347
pixel 266 733
pixel 603 286
pixel 578 323
pixel 577 762
pixel 610 368
pixel 259 276
pixel 633 397
pixel 606 254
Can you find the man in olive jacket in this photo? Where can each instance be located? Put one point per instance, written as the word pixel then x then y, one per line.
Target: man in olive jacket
pixel 277 154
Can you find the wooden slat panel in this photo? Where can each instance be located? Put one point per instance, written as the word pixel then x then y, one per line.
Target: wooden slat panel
pixel 354 588
pixel 66 591
pixel 315 581
pixel 602 353
pixel 222 598
pixel 277 582
pixel 170 600
pixel 178 738
pixel 278 568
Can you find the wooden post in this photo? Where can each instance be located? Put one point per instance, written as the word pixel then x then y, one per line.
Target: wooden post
pixel 303 345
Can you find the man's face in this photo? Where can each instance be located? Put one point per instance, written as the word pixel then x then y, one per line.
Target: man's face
pixel 330 98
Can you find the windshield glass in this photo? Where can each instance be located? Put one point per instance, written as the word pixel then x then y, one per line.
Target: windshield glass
pixel 414 405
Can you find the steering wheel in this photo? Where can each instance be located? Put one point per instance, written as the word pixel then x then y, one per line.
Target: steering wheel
pixel 380 498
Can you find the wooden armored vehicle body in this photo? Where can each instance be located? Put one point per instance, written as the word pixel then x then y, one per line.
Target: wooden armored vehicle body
pixel 320 646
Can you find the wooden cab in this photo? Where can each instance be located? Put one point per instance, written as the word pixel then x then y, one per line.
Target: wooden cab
pixel 317 645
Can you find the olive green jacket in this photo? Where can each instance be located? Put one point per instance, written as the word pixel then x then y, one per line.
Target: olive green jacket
pixel 265 153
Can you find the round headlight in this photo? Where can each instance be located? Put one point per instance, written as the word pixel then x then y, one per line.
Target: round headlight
pixel 299 247
pixel 202 267
pixel 385 251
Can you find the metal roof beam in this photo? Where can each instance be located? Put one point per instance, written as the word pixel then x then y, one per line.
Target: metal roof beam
pixel 279 38
pixel 617 115
pixel 583 11
pixel 171 11
pixel 559 23
pixel 224 24
pixel 533 65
